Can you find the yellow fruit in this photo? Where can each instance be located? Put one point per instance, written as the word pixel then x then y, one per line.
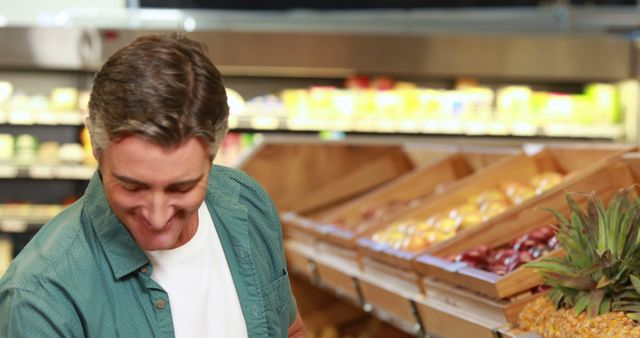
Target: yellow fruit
pixel 545 181
pixel 448 224
pixel 487 196
pixel 443 236
pixel 424 226
pixel 517 192
pixel 417 243
pixel 463 210
pixel 493 209
pixel 471 220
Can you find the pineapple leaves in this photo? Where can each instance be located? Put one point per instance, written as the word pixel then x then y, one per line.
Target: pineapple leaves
pixel 595 299
pixel 582 302
pixel 601 269
pixel 634 315
pixel 635 281
pixel 603 282
pixel 605 306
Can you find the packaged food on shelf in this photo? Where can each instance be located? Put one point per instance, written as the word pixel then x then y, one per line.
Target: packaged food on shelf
pixel 71 153
pixel 26 148
pixel 6 147
pixel 48 152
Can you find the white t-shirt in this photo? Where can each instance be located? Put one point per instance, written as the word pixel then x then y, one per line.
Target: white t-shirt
pixel 196 276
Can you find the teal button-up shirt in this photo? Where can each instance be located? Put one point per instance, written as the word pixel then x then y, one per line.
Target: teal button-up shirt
pixel 83 275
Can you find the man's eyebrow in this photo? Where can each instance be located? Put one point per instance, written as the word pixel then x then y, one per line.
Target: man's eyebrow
pixel 128 180
pixel 186 182
pixel 133 181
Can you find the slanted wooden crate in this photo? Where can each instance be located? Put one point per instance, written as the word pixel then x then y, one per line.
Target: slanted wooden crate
pixel 453 312
pixel 430 178
pixel 574 162
pixel 603 180
pixel 307 179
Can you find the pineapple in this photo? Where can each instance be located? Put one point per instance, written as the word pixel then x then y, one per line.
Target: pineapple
pixel 601 270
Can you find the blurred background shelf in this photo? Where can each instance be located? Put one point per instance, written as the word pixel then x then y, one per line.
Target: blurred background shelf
pixel 46 171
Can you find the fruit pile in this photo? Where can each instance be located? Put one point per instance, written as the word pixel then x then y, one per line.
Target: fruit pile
pixel 506 258
pixel 542 317
pixel 416 235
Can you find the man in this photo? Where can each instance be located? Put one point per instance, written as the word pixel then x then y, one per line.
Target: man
pixel 161 243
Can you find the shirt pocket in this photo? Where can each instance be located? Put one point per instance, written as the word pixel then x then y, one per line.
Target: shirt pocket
pixel 278 300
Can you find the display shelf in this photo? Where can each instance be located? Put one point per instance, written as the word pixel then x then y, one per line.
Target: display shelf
pixel 11 170
pixel 400 303
pixel 43 119
pixel 259 123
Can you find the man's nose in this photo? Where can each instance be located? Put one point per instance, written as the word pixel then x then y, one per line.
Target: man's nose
pixel 158 211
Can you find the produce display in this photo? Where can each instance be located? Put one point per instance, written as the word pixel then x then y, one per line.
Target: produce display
pixel 416 235
pixel 506 258
pixel 598 276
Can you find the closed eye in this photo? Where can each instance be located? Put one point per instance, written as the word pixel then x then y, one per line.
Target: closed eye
pixel 180 188
pixel 134 188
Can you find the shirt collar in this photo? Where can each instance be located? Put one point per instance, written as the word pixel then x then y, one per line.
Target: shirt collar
pixel 122 252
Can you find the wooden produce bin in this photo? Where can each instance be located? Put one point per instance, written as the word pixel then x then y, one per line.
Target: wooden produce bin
pixel 405 191
pixel 382 259
pixel 446 318
pixel 307 179
pixel 574 162
pixel 512 290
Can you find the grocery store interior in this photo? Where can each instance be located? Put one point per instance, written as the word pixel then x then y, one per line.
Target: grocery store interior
pixel 410 148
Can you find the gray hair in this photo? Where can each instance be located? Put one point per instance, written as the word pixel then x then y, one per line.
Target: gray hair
pixel 161 87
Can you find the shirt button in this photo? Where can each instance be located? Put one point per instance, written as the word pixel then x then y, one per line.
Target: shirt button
pixel 160 304
pixel 144 269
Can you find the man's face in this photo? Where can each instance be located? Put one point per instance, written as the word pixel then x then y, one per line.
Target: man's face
pixel 154 191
